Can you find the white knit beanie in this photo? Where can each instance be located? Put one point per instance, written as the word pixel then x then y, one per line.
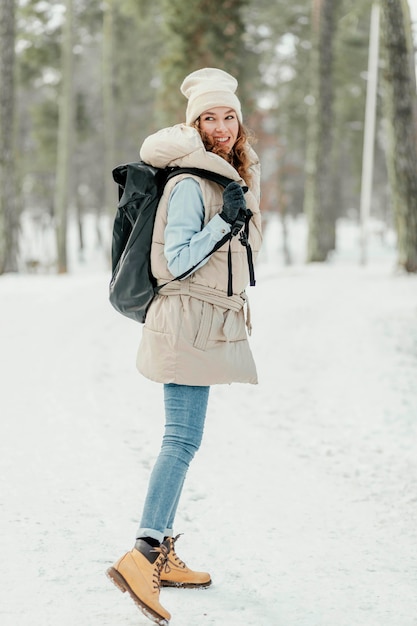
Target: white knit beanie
pixel 207 88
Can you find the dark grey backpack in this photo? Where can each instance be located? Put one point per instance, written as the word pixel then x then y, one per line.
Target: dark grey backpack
pixel 132 286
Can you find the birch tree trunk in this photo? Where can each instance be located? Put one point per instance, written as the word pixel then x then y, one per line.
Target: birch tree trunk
pixel 400 106
pixel 9 220
pixel 65 140
pixel 318 200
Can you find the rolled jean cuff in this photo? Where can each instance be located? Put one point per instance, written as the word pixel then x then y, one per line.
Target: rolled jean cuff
pixel 150 532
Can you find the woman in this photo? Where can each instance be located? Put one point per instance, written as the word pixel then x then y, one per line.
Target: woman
pixel 195 333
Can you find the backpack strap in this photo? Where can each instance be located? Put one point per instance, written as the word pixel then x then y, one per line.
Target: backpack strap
pixel 237 227
pixel 216 247
pixel 202 173
pixel 244 240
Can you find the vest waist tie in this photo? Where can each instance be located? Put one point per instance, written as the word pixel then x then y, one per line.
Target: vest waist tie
pixel 207 294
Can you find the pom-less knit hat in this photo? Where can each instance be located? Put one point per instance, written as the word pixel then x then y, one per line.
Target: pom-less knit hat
pixel 207 88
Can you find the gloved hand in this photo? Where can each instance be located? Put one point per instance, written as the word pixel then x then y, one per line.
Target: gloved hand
pixel 233 202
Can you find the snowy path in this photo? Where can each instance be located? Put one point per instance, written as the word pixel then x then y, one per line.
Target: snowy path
pixel 302 501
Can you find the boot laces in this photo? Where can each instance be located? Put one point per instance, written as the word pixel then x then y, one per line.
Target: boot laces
pixel 172 557
pixel 158 565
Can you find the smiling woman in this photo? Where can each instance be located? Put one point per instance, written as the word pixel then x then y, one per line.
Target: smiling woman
pixel 215 111
pixel 195 334
pixel 222 125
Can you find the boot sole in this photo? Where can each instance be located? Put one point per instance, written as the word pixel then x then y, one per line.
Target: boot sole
pixel 118 580
pixel 168 583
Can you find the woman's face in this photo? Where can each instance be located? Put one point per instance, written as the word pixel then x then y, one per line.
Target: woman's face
pixel 222 125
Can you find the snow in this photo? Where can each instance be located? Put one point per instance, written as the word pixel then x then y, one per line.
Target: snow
pixel 302 500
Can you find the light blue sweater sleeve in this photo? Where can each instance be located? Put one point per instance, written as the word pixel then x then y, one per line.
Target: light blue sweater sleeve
pixel 187 240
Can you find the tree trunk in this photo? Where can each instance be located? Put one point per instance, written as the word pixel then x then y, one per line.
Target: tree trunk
pixel 109 119
pixel 318 202
pixel 65 140
pixel 80 226
pixel 400 105
pixel 9 220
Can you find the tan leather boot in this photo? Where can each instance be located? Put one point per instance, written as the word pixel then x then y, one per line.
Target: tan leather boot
pixel 138 572
pixel 175 573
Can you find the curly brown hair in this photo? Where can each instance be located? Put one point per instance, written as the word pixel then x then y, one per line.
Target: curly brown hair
pixel 238 155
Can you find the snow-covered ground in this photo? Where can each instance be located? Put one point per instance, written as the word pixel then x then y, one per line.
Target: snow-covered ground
pixel 302 502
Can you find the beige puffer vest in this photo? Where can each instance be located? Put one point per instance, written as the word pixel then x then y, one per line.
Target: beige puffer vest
pixel 194 333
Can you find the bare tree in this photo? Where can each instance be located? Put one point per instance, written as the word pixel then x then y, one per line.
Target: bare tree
pixel 318 202
pixel 65 139
pixel 401 106
pixel 9 221
pixel 108 103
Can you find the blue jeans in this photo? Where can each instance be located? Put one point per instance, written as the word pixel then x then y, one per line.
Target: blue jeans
pixel 185 414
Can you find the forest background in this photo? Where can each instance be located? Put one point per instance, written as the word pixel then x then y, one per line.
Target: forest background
pixel 83 82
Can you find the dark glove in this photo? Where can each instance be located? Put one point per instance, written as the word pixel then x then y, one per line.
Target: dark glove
pixel 233 202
